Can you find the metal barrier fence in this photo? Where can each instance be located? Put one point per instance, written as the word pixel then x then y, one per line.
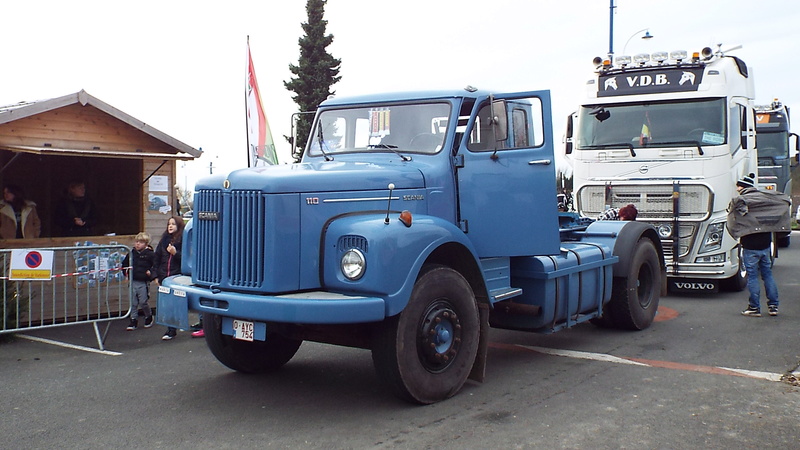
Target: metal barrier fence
pixel 86 285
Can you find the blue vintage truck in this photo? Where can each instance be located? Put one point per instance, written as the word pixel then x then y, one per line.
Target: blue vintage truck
pixel 413 224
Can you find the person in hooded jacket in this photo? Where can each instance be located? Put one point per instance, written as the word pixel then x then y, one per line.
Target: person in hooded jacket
pixel 756 250
pixel 18 216
pixel 168 258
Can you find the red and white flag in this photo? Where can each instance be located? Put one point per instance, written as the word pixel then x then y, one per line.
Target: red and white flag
pixel 260 147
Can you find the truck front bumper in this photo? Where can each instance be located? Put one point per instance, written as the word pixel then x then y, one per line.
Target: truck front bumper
pixel 177 296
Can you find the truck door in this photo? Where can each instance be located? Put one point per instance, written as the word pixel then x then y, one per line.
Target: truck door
pixel 506 176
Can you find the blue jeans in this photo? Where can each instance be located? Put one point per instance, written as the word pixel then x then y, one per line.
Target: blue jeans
pixel 755 262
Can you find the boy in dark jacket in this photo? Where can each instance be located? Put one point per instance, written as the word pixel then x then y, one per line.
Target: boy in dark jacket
pixel 141 260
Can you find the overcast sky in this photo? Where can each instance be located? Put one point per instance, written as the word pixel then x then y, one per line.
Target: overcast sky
pixel 180 66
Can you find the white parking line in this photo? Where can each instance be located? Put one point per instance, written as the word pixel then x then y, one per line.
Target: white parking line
pixel 72 346
pixel 769 376
pixel 583 355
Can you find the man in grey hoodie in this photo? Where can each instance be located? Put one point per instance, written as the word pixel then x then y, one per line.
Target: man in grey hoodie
pixel 752 217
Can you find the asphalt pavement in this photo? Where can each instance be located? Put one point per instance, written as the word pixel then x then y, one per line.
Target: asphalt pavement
pixel 703 376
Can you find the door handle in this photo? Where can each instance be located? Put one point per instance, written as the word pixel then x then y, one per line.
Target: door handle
pixel 539 162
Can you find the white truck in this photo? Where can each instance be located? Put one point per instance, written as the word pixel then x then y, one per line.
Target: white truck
pixel 670 133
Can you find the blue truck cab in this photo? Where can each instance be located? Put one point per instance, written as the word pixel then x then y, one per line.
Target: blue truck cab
pixel 413 224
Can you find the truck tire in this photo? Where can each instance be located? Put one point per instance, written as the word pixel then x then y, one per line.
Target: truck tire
pixel 738 281
pixel 425 353
pixel 634 298
pixel 244 356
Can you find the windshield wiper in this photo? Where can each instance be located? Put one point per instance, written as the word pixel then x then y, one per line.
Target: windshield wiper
pixel 392 148
pixel 623 144
pixel 322 144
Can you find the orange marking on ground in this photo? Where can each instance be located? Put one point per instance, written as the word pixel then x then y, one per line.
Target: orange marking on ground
pixel 514 347
pixel 665 313
pixel 688 367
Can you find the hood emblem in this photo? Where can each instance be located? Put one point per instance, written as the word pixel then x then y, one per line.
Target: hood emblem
pixel 226 184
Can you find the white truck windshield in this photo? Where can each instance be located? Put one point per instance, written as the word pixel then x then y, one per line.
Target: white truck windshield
pixel 695 122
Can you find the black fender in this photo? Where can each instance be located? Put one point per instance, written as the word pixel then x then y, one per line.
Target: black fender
pixel 626 240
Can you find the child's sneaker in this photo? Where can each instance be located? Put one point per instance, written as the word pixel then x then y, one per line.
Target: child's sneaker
pixel 752 312
pixel 132 326
pixel 148 321
pixel 773 310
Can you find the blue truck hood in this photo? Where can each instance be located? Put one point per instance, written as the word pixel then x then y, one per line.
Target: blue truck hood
pixel 329 176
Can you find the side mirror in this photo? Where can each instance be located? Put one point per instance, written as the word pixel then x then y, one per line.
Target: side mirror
pixel 793 162
pixel 568 136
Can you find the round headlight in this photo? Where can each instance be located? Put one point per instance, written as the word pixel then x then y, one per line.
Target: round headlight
pixel 664 231
pixel 353 264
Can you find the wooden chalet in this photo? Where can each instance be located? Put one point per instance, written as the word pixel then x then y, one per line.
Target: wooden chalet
pixel 128 166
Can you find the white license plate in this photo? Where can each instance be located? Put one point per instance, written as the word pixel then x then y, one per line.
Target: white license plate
pixel 243 330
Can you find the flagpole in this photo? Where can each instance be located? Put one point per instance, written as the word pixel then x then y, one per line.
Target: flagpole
pixel 246 121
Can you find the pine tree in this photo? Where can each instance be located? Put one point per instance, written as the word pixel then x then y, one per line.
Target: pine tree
pixel 316 71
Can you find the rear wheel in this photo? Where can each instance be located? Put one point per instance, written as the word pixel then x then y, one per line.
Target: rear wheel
pixel 634 298
pixel 426 352
pixel 246 356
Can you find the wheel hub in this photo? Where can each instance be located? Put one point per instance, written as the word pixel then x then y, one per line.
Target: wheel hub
pixel 439 336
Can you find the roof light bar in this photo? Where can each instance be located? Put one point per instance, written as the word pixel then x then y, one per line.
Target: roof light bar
pixel 660 57
pixel 678 55
pixel 623 60
pixel 641 58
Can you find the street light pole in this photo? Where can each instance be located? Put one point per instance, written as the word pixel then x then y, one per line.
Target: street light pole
pixel 611 31
pixel 646 36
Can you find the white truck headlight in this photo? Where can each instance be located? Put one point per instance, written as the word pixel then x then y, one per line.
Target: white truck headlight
pixel 713 238
pixel 353 264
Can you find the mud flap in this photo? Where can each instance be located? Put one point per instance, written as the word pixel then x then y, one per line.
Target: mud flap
pixel 172 309
pixel 478 372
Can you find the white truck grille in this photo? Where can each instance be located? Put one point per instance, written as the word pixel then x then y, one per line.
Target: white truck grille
pixel 654 201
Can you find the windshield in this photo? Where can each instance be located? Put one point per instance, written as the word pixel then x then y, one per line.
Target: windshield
pixel 773 145
pixel 415 128
pixel 639 125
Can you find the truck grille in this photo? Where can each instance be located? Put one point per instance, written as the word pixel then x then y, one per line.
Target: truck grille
pixel 654 201
pixel 208 236
pixel 244 253
pixel 239 257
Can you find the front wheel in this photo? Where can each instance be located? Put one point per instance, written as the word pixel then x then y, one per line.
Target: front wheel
pixel 634 298
pixel 738 281
pixel 246 356
pixel 425 353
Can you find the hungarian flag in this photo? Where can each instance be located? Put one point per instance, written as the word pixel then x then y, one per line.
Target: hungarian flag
pixel 260 147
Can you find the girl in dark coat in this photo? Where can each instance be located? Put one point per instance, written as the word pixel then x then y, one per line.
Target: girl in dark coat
pixel 168 258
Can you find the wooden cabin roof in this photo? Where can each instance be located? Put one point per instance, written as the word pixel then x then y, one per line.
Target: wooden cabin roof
pixel 81 125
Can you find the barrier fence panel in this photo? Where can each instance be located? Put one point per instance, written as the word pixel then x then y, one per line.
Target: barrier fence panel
pixel 83 284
